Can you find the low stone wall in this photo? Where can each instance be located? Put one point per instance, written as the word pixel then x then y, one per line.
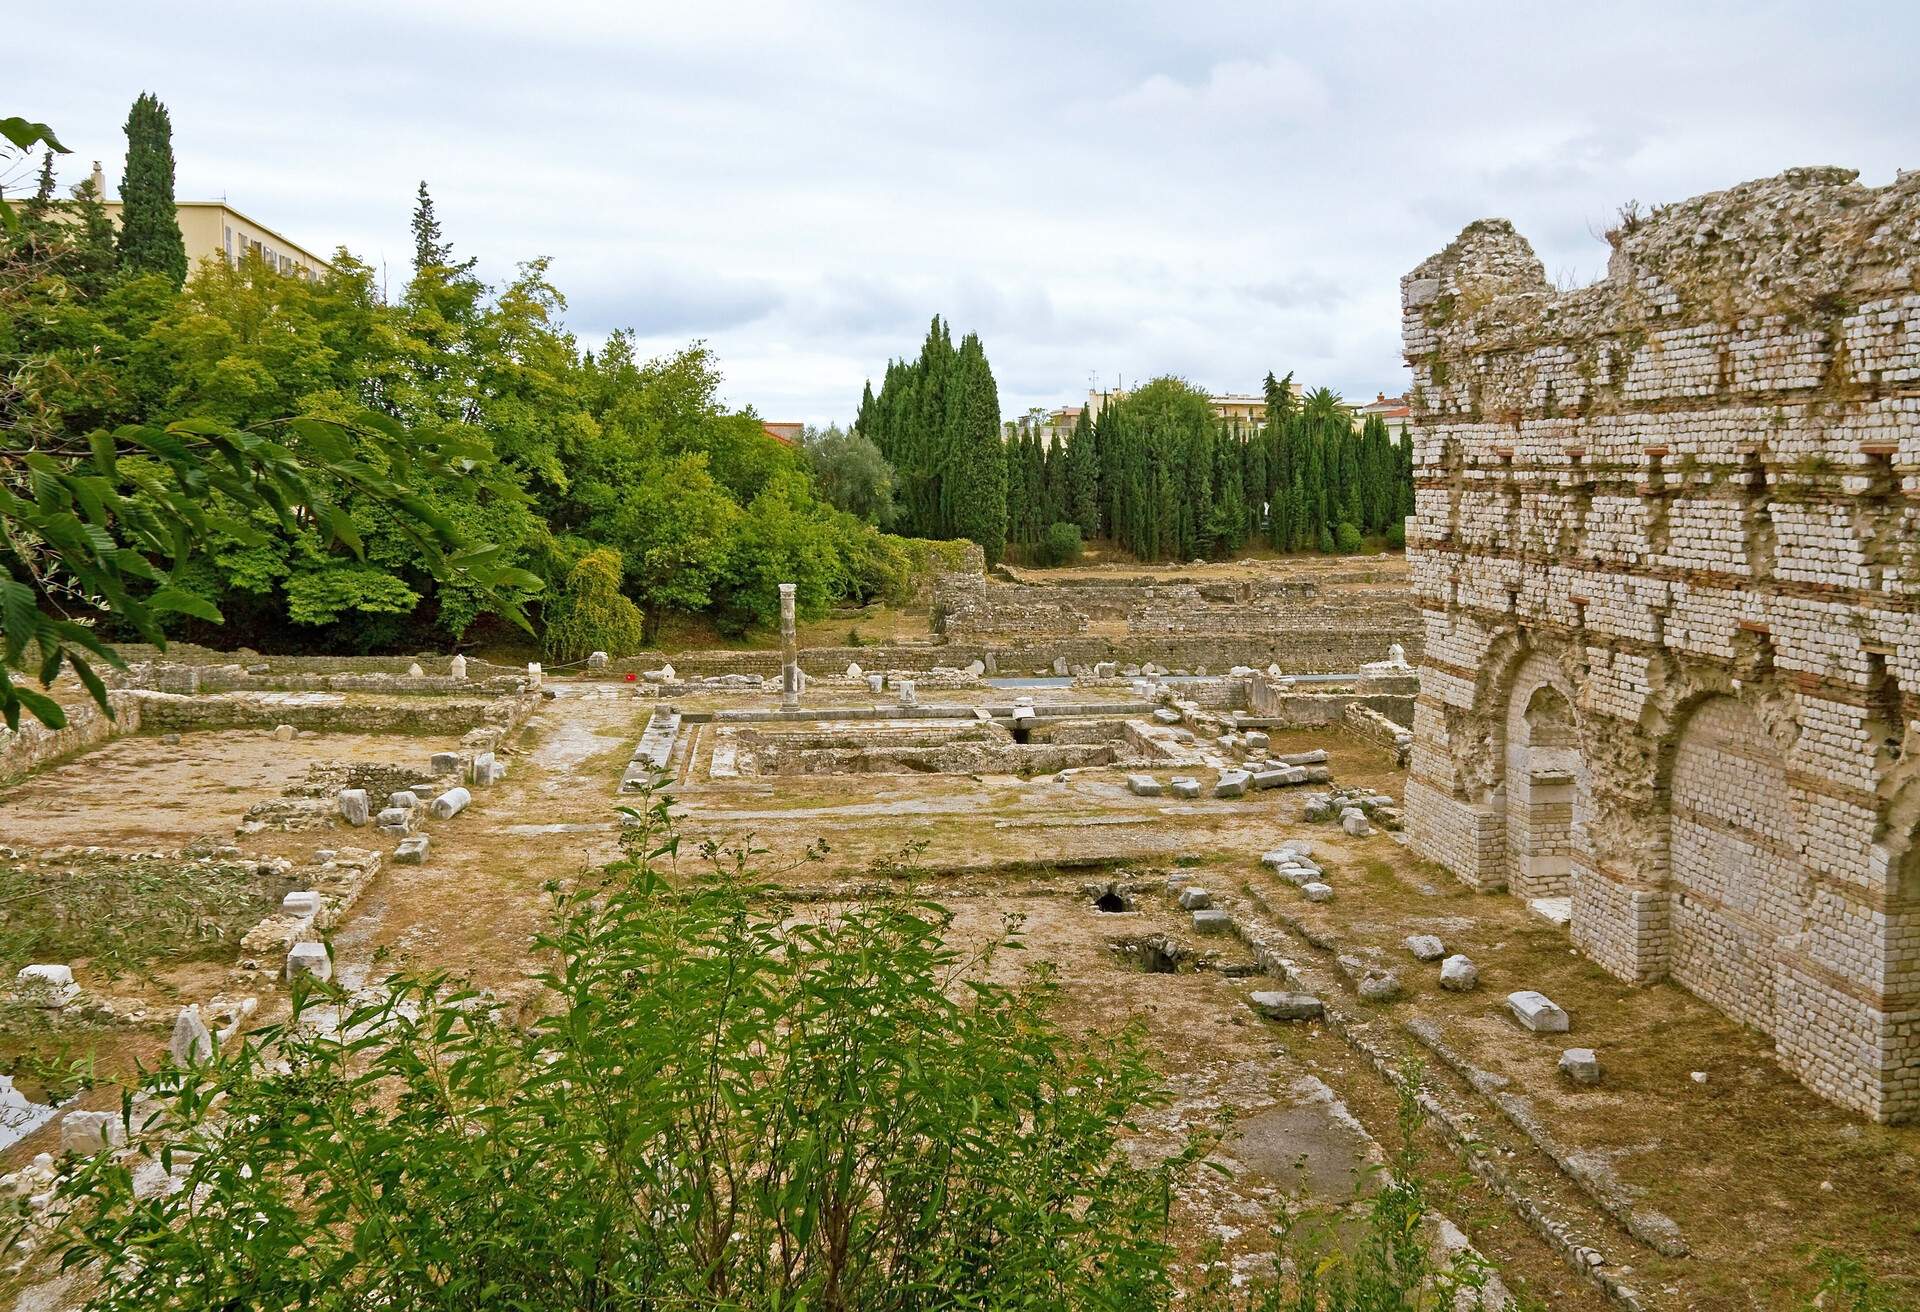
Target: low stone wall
pixel 34 746
pixel 188 654
pixel 318 711
pixel 484 721
pixel 1306 650
pixel 1271 619
pixel 190 677
pixel 1371 726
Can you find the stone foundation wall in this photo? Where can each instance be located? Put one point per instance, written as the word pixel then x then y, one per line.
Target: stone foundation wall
pixel 34 746
pixel 1258 621
pixel 1684 502
pixel 1305 651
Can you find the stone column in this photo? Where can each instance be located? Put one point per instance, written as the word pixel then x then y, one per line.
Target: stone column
pixel 789 650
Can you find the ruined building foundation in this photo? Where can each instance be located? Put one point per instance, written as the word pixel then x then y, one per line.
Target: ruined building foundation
pixel 1667 543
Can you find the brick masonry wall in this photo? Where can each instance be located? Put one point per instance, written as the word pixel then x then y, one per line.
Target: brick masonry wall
pixel 1687 499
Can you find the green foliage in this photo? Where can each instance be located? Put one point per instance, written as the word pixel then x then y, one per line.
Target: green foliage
pixel 936 420
pixel 1164 478
pixel 1397 535
pixel 591 614
pixel 394 434
pixel 1346 539
pixel 851 474
pixel 150 240
pixel 1061 545
pixel 728 1102
pixel 1847 1286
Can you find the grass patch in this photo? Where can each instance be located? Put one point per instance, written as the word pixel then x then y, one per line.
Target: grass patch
pixel 126 917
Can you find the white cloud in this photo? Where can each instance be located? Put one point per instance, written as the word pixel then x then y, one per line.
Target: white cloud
pixel 1277 87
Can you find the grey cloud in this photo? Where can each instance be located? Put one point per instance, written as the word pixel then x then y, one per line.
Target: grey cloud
pixel 1208 190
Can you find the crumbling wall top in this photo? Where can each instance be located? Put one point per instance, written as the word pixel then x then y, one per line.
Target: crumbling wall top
pixel 1809 243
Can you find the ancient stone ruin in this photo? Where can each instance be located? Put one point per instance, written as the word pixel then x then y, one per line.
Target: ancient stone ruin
pixel 1667 542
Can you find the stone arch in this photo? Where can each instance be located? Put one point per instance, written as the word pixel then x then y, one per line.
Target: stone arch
pixel 1545 780
pixel 1740 892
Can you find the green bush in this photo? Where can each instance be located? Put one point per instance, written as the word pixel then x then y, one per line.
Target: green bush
pixel 1397 536
pixel 592 614
pixel 1060 546
pixel 1347 539
pixel 727 1103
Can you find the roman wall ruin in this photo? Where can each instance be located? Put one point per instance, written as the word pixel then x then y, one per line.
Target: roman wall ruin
pixel 1332 623
pixel 1667 543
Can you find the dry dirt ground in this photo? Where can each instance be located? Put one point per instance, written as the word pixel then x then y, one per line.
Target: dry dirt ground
pixel 1756 1174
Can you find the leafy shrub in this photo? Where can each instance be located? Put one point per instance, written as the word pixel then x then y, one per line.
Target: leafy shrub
pixel 728 1103
pixel 1347 539
pixel 1397 535
pixel 1326 541
pixel 592 614
pixel 1060 545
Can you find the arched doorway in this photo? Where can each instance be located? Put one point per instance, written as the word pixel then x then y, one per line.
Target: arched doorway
pixel 1740 888
pixel 1545 783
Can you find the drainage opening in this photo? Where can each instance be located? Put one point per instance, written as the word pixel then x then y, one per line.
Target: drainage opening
pixel 1112 900
pixel 1156 954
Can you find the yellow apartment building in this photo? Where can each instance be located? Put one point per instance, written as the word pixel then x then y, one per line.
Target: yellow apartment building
pixel 213 227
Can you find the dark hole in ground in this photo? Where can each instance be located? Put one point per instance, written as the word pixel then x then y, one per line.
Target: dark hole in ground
pixel 1157 955
pixel 1155 960
pixel 1111 901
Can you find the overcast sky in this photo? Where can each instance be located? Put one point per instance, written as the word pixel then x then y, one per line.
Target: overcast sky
pixel 1116 191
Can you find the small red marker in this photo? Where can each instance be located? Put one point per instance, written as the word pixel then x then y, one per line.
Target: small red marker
pixel 631 676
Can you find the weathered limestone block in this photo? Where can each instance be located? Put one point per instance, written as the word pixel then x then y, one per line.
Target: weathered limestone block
pixel 1184 786
pixel 354 806
pixel 411 851
pixel 91 1132
pixel 1212 922
pixel 450 803
pixel 1315 891
pixel 1426 947
pixel 1580 1065
pixel 192 1041
pixel 1144 785
pixel 1232 783
pixel 301 902
pixel 1458 974
pixel 49 985
pixel 1195 899
pixel 309 958
pixel 1537 1012
pixel 1380 986
pixel 1287 1006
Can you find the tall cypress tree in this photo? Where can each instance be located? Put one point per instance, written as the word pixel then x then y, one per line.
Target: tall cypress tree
pixel 1017 510
pixel 1083 478
pixel 977 473
pixel 150 240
